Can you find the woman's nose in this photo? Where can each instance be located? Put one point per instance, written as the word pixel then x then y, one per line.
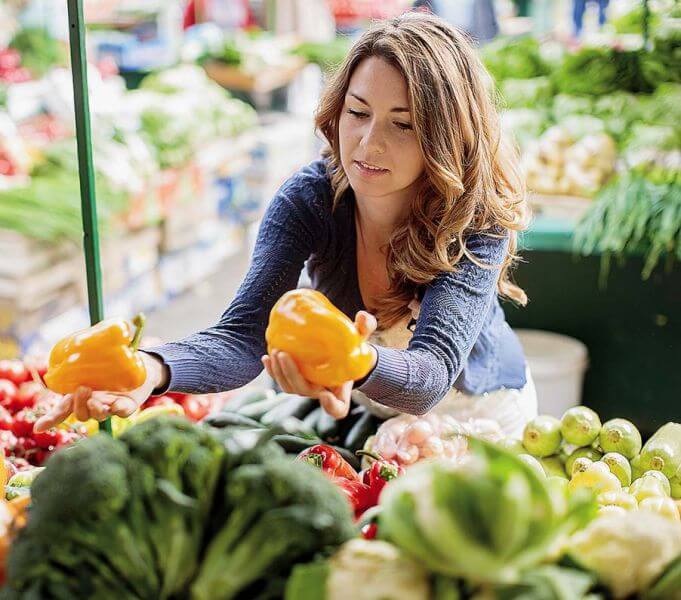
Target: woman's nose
pixel 373 139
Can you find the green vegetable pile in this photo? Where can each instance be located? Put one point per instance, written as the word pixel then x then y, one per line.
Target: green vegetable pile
pixel 184 110
pixel 173 510
pixel 634 96
pixel 663 63
pixel 306 423
pixel 39 50
pixel 514 59
pixel 601 70
pixel 57 194
pixel 327 56
pixel 631 216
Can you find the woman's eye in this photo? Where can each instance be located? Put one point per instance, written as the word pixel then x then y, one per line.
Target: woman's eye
pixel 357 113
pixel 403 126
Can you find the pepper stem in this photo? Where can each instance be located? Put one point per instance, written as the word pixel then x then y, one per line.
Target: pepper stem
pixel 370 454
pixel 138 322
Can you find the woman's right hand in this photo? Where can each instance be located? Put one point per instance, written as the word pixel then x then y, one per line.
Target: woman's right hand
pixel 87 404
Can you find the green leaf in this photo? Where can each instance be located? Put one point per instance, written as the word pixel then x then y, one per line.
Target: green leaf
pixel 307 582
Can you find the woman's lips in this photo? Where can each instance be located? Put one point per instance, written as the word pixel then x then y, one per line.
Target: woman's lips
pixel 369 170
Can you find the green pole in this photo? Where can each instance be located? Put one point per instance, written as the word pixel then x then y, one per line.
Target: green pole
pixel 86 169
pixel 646 24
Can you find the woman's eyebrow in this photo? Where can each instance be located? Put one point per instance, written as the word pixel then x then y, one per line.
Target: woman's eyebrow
pixel 397 109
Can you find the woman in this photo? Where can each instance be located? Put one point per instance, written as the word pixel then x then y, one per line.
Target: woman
pixel 409 224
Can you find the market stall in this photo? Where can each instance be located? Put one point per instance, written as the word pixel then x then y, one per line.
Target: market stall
pixel 259 494
pixel 598 132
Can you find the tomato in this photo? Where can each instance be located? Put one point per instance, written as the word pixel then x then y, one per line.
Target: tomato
pixel 28 393
pixel 46 439
pixel 15 371
pixel 177 396
pixel 26 396
pixel 5 419
pixel 24 447
pixel 8 442
pixel 38 457
pixel 158 401
pixel 9 59
pixel 196 407
pixel 22 425
pixel 7 391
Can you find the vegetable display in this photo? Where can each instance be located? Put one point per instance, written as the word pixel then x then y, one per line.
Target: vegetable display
pixel 172 509
pixel 602 122
pixel 323 342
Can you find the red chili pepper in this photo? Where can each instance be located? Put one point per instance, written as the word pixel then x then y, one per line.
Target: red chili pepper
pixel 369 531
pixel 329 461
pixel 379 474
pixel 357 493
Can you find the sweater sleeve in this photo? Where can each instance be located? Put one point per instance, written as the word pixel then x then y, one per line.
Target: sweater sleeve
pixel 453 311
pixel 227 355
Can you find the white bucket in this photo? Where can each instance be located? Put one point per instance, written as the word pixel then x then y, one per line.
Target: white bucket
pixel 557 363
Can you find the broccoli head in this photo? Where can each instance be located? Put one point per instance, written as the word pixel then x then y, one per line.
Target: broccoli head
pixel 281 512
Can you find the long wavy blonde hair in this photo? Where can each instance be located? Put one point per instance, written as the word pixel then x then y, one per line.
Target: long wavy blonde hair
pixel 471 183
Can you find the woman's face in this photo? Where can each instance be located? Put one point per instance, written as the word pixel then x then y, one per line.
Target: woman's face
pixel 379 150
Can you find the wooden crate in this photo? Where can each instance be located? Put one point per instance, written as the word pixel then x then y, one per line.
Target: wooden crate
pixel 264 81
pixel 569 208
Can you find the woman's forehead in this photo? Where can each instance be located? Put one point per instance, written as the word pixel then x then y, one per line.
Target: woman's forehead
pixel 377 81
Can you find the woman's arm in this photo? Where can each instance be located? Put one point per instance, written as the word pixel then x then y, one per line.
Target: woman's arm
pixel 452 314
pixel 227 355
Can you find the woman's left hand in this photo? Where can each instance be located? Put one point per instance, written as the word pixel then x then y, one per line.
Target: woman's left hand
pixel 335 401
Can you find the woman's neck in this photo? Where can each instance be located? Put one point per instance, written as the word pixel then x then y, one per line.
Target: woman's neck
pixel 377 218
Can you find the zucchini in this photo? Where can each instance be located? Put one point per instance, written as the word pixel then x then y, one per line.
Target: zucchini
pixel 257 409
pixel 293 444
pixel 230 419
pixel 246 397
pixel 312 418
pixel 328 428
pixel 294 406
pixel 360 431
pixel 293 426
pixel 662 452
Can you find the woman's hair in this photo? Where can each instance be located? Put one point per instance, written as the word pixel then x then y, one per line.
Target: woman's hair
pixel 471 183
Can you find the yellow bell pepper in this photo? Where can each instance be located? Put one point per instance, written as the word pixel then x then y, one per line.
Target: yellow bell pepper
pixel 90 426
pixel 155 411
pixel 101 357
pixel 323 342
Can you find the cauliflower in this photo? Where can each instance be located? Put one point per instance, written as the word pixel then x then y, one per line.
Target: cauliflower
pixel 627 551
pixel 366 570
